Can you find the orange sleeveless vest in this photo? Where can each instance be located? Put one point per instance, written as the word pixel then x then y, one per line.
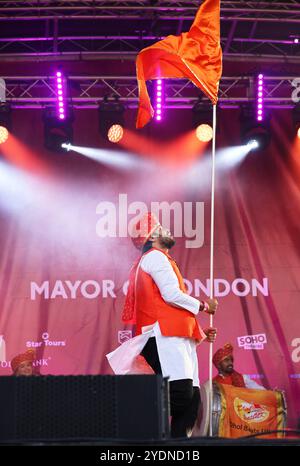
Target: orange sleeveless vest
pixel 150 308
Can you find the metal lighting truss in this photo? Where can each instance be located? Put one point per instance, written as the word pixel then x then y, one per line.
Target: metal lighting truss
pixel 101 29
pixel 88 91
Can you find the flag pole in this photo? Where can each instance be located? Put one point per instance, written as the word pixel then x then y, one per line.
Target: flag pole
pixel 212 218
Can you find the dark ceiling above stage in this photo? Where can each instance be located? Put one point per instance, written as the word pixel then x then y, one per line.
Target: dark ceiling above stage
pixel 250 29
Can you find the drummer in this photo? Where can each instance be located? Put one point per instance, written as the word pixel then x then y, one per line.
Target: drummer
pixel 223 360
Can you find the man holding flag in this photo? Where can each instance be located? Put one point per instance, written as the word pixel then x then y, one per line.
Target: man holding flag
pixel 169 342
pixel 195 55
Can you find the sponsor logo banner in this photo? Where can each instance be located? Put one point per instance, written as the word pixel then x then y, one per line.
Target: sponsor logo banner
pixel 252 342
pixel 250 412
pixel 45 341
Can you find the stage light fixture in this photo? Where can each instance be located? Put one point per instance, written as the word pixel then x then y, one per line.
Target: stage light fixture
pixel 254 129
pixel 260 98
pixel 3 134
pixel 67 146
pixel 204 133
pixel 61 93
pixel 159 99
pixel 115 133
pixel 203 120
pixel 253 144
pixel 57 131
pixel 111 119
pixel 5 122
pixel 156 91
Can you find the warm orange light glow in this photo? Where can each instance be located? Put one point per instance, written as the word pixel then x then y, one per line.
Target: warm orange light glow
pixel 183 150
pixel 298 133
pixel 204 133
pixel 3 134
pixel 139 144
pixel 22 156
pixel 115 133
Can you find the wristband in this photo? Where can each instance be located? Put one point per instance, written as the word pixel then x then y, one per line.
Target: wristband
pixel 203 306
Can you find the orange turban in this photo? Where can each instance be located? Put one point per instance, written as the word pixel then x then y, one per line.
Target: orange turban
pixel 29 355
pixel 222 353
pixel 144 229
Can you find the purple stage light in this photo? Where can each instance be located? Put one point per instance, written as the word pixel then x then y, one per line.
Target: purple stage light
pixel 60 92
pixel 158 99
pixel 259 98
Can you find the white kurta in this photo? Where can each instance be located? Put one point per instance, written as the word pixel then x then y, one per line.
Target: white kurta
pixel 249 383
pixel 177 355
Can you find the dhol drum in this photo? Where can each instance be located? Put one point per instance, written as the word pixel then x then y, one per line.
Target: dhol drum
pixel 201 427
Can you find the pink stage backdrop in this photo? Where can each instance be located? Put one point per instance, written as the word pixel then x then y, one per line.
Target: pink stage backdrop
pixel 63 283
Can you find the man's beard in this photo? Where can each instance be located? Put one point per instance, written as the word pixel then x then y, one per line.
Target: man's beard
pixel 167 241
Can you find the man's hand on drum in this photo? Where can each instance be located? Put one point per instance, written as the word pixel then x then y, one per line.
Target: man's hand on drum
pixel 211 334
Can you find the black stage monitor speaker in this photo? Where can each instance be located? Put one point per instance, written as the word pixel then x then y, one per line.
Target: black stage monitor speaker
pixel 84 407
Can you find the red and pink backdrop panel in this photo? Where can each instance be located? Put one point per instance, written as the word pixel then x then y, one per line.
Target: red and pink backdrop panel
pixel 62 285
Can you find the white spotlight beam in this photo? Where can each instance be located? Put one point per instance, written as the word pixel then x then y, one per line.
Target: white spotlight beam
pixel 232 156
pixel 226 159
pixel 117 159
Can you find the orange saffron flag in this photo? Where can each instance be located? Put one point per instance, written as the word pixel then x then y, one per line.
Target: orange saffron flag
pixel 196 55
